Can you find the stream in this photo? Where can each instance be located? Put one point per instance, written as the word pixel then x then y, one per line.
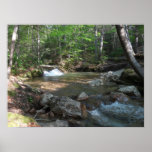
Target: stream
pixel 99 114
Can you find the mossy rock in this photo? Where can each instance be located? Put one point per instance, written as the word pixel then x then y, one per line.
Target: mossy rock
pixel 17 120
pixel 131 77
pixel 28 74
pixel 36 73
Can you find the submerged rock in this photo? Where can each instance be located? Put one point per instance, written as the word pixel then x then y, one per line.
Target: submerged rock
pixel 120 97
pixel 83 96
pixel 126 112
pixel 96 82
pixel 130 90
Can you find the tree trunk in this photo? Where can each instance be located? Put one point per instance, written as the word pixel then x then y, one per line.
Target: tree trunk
pixel 14 38
pixel 38 45
pixel 96 46
pixel 126 44
pixel 101 43
pixel 136 39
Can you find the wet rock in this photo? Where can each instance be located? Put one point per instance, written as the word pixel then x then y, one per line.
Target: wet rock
pixel 96 82
pixel 130 90
pixel 93 102
pixel 126 112
pixel 120 97
pixel 83 96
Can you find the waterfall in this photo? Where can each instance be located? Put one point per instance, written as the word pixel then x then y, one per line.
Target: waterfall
pixel 54 72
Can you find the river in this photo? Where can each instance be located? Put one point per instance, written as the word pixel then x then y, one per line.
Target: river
pixel 99 114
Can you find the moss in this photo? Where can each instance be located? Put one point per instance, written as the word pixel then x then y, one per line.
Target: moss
pixel 28 75
pixel 36 73
pixel 17 120
pixel 130 76
pixel 11 93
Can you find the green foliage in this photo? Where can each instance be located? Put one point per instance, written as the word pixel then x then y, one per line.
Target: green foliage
pixel 30 99
pixel 117 53
pixel 68 43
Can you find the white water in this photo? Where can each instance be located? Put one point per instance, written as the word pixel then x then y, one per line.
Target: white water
pixel 54 72
pixel 118 114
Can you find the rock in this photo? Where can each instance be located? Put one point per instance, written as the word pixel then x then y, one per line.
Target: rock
pixel 111 76
pixel 67 106
pixel 61 123
pixel 36 73
pixel 17 120
pixel 93 102
pixel 76 123
pixel 57 123
pixel 32 111
pixel 130 90
pixel 63 105
pixel 96 82
pixel 83 96
pixel 44 116
pixel 131 77
pixel 41 111
pixel 51 114
pixel 120 97
pixel 46 98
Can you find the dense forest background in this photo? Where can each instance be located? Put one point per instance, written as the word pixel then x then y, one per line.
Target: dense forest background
pixel 68 45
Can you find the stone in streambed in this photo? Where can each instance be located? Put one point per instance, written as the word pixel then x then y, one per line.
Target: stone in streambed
pixel 130 90
pixel 83 96
pixel 61 105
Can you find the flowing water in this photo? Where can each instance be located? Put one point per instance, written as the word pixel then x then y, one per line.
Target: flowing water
pixel 100 114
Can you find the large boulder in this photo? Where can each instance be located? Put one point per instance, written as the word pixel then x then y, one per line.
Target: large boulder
pixel 62 105
pixel 34 73
pixel 130 76
pixel 130 90
pixel 111 75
